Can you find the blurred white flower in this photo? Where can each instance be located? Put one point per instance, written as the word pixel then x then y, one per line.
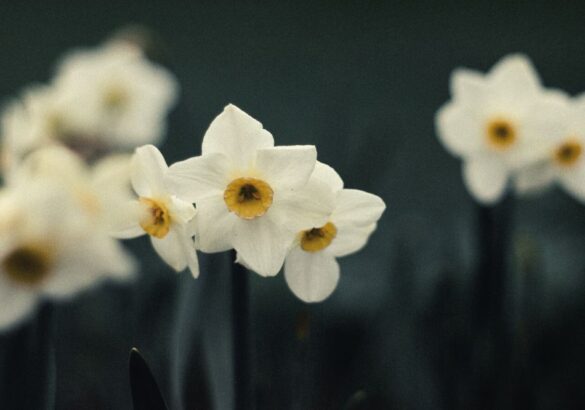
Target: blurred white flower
pixel 117 95
pixel 250 195
pixel 168 220
pixel 311 269
pixel 50 247
pixel 562 148
pixel 39 118
pixel 101 191
pixel 490 123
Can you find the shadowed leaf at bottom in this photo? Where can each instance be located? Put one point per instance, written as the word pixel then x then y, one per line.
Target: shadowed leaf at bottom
pixel 145 392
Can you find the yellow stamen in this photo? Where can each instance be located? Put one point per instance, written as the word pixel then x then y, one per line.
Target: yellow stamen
pixel 55 124
pixel 157 221
pixel 115 99
pixel 317 239
pixel 501 134
pixel 568 153
pixel 28 265
pixel 248 198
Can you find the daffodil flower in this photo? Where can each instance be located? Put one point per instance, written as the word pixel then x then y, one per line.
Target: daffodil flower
pixel 562 148
pixel 116 94
pixel 49 248
pixel 101 100
pixel 250 195
pixel 101 191
pixel 40 117
pixel 168 220
pixel 311 269
pixel 490 124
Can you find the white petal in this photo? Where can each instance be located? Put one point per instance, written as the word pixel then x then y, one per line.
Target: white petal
pixel 486 178
pixel 534 179
pixel 459 131
pixel 241 261
pixel 148 167
pixel 214 225
pixel 52 161
pixel 112 169
pixel 262 244
pixel 515 76
pixel 578 111
pixel 128 232
pixel 468 87
pixel 548 119
pixel 188 247
pixel 287 167
pixel 87 264
pixel 574 181
pixel 198 177
pixel 305 208
pixel 182 212
pixel 312 277
pixel 110 180
pixel 355 207
pixel 171 250
pixel 328 175
pixel 236 135
pixel 17 305
pixel 350 239
pixel 124 223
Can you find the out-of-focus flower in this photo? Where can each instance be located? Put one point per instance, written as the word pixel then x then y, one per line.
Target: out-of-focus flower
pixel 561 146
pixel 39 118
pixel 50 246
pixel 490 124
pixel 101 100
pixel 168 220
pixel 250 195
pixel 117 95
pixel 101 191
pixel 311 269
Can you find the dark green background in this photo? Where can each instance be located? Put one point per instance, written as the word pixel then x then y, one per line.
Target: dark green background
pixel 362 81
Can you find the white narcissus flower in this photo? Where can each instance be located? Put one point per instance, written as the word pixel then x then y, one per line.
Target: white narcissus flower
pixel 50 248
pixel 37 119
pixel 250 195
pixel 101 191
pixel 311 269
pixel 562 147
pixel 117 94
pixel 491 125
pixel 168 220
pixel 101 101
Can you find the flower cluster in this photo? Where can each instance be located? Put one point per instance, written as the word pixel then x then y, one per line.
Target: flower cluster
pixel 54 239
pixel 273 204
pixel 100 101
pixel 70 193
pixel 510 131
pixel 66 179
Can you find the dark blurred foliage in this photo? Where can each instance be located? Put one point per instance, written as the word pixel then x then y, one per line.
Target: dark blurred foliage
pixel 361 80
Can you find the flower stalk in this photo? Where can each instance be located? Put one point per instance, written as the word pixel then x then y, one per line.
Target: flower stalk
pixel 492 327
pixel 29 362
pixel 240 322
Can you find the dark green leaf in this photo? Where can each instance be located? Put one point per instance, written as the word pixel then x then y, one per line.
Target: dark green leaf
pixel 145 392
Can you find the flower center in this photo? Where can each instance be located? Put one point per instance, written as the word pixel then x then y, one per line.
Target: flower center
pixel 500 134
pixel 317 239
pixel 568 153
pixel 248 198
pixel 115 99
pixel 28 265
pixel 55 124
pixel 157 221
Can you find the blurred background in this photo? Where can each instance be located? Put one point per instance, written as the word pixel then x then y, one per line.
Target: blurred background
pixel 362 81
